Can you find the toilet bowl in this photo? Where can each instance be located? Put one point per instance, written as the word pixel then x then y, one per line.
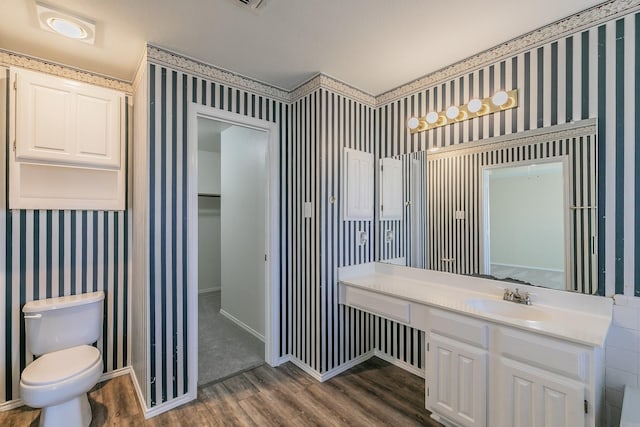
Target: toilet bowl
pixel 60 329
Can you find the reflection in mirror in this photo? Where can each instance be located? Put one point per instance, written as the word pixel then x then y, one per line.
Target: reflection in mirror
pixel 544 234
pixel 526 203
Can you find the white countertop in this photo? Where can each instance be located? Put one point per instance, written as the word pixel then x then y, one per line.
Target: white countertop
pixel 579 318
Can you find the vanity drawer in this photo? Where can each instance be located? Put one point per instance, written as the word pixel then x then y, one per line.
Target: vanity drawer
pixel 461 328
pixel 381 305
pixel 547 353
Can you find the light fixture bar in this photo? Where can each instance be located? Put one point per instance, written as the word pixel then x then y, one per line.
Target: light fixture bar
pixel 500 101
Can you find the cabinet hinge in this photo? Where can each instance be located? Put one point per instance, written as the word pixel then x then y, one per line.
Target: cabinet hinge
pixel 427 391
pixel 381 168
pixel 427 346
pixel 586 407
pixel 265 257
pixel 15 85
pixel 381 208
pixel 14 145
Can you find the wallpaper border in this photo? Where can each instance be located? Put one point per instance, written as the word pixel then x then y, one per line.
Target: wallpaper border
pixel 14 59
pixel 176 61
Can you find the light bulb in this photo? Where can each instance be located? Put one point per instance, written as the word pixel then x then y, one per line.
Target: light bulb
pixel 474 105
pixel 500 98
pixel 413 123
pixel 452 112
pixel 432 117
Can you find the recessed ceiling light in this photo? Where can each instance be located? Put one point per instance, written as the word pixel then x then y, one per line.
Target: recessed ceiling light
pixel 67 28
pixel 66 24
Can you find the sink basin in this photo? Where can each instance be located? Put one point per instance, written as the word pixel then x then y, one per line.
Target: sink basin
pixel 508 309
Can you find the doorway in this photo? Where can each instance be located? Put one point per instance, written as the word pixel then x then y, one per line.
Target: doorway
pixel 232 266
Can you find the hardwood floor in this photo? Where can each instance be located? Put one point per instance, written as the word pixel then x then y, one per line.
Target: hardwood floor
pixel 374 393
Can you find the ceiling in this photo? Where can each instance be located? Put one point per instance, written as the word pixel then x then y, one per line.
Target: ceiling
pixel 374 45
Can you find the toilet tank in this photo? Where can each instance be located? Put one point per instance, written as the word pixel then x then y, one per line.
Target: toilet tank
pixel 57 323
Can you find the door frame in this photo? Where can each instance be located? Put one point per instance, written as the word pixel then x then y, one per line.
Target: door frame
pixel 272 235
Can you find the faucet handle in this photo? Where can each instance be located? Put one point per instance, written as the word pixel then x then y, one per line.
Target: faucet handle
pixel 508 295
pixel 516 294
pixel 527 298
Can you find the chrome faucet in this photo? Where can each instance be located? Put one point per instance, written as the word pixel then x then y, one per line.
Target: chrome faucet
pixel 516 297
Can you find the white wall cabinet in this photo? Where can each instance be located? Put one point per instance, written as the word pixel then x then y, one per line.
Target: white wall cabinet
pixel 68 144
pixel 456 385
pixel 358 185
pixel 391 206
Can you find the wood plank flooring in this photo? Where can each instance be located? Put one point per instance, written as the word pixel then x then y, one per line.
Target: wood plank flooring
pixel 374 393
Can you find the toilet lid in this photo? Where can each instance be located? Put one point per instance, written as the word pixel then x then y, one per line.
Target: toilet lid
pixel 60 365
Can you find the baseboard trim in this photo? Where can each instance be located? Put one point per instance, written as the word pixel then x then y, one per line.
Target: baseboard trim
pixel 136 386
pixel 281 360
pixel 306 368
pixel 16 403
pixel 11 404
pixel 167 406
pixel 242 325
pixel 346 366
pixel 209 290
pixel 399 363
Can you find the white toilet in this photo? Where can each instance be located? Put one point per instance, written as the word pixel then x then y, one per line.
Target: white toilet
pixel 60 331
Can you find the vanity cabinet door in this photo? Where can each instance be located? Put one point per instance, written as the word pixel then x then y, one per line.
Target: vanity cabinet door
pixel 456 381
pixel 532 397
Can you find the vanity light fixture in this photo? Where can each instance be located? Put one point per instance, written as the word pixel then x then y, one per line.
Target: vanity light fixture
pixel 66 24
pixel 500 101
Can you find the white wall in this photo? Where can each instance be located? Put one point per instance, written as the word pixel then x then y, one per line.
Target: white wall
pixel 244 184
pixel 528 209
pixel 208 207
pixel 209 243
pixel 140 257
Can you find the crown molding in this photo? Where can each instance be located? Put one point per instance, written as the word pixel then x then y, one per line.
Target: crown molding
pixel 323 81
pixel 176 61
pixel 14 59
pixel 546 34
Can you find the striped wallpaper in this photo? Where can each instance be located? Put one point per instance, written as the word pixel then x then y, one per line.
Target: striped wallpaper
pixel 587 74
pixel 591 73
pixel 169 93
pixel 50 253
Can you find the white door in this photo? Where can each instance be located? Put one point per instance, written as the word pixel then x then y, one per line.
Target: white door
pixel 456 381
pixel 535 398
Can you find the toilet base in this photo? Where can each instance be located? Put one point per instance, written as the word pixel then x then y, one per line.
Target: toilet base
pixel 72 413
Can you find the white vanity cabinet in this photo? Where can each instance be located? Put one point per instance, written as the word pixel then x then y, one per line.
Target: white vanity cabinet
pixel 68 144
pixel 457 361
pixel 544 382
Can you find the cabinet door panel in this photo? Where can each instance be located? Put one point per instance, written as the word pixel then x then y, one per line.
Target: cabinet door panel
pixel 97 122
pixel 457 381
pixel 44 120
pixel 537 398
pixel 523 402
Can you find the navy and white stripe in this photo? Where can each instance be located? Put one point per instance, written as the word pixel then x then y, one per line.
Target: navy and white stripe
pixel 170 92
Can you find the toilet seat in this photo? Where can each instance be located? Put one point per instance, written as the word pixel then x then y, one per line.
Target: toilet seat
pixel 60 366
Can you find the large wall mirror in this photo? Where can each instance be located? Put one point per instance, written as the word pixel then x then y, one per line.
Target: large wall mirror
pixel 519 207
